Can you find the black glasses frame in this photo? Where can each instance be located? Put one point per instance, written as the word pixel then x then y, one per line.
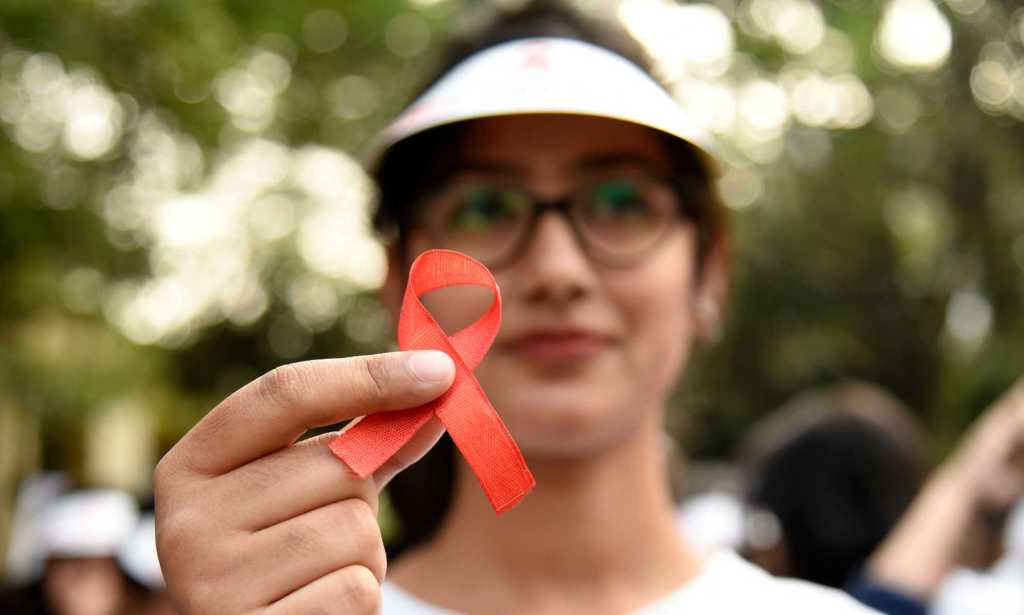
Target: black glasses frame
pixel 685 211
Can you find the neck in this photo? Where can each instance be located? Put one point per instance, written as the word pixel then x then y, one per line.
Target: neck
pixel 596 530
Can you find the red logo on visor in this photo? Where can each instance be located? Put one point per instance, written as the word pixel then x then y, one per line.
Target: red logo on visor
pixel 537 55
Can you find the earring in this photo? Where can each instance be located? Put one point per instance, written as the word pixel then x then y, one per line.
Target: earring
pixel 709 321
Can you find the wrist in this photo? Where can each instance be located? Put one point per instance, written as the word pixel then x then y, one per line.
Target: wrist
pixel 922 549
pixel 957 482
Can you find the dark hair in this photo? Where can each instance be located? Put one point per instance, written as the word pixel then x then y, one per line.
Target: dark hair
pixel 422 493
pixel 837 488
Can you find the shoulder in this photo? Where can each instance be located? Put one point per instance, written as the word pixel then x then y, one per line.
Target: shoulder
pixel 728 584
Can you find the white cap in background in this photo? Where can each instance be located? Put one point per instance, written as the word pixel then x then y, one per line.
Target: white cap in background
pixel 89 524
pixel 138 556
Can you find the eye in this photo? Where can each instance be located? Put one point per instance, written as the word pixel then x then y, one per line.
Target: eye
pixel 483 208
pixel 619 200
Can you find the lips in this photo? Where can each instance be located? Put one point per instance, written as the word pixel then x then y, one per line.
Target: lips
pixel 559 344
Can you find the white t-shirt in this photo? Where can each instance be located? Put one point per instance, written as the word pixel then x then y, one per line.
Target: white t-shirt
pixel 996 592
pixel 726 584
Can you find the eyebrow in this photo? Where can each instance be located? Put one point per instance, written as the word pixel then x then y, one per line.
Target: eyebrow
pixel 599 162
pixel 595 162
pixel 490 166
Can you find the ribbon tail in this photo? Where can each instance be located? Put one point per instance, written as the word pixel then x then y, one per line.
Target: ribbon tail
pixel 486 444
pixel 368 444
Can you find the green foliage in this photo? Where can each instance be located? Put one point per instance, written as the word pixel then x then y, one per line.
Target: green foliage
pixel 858 260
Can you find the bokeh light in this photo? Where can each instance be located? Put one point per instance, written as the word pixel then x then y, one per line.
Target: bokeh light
pixel 407 35
pixel 966 7
pixel 682 39
pixel 969 317
pixel 352 97
pixel 914 35
pixel 324 30
pixel 899 108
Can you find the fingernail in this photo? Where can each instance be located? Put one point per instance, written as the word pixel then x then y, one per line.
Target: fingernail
pixel 431 366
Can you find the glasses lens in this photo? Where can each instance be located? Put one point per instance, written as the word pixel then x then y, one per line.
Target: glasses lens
pixel 482 221
pixel 624 217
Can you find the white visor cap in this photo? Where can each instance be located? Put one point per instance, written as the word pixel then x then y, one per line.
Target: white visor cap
pixel 546 75
pixel 89 524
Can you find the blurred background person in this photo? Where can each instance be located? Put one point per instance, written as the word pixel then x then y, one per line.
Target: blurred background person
pixel 838 492
pixel 958 518
pixel 826 478
pixel 84 532
pixel 82 552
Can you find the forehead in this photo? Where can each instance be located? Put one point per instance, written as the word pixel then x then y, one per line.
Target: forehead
pixel 546 143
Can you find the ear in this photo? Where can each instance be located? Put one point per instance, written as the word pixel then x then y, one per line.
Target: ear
pixel 713 290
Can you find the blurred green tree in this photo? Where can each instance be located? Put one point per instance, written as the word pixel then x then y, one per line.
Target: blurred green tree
pixel 181 208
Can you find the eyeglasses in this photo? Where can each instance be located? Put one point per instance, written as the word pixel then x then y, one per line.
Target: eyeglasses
pixel 617 221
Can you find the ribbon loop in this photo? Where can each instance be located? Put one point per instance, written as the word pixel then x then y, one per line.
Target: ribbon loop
pixel 464 409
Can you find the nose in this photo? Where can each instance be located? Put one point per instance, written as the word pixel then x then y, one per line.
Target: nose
pixel 554 268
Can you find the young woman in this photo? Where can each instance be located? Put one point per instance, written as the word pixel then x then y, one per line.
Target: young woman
pixel 567 170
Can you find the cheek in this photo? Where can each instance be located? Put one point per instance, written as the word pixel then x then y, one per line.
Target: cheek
pixel 457 307
pixel 657 308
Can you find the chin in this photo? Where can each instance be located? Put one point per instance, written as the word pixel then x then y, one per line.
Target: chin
pixel 571 409
pixel 568 424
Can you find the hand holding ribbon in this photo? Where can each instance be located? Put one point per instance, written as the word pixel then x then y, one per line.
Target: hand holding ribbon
pixel 464 409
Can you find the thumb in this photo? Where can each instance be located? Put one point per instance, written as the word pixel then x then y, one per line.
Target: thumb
pixel 413 451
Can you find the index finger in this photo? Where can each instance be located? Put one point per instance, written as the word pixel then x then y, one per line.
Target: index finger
pixel 272 411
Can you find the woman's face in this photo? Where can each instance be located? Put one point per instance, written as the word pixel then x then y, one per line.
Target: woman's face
pixel 586 353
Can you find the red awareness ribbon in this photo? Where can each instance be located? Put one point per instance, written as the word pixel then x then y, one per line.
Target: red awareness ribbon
pixel 464 409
